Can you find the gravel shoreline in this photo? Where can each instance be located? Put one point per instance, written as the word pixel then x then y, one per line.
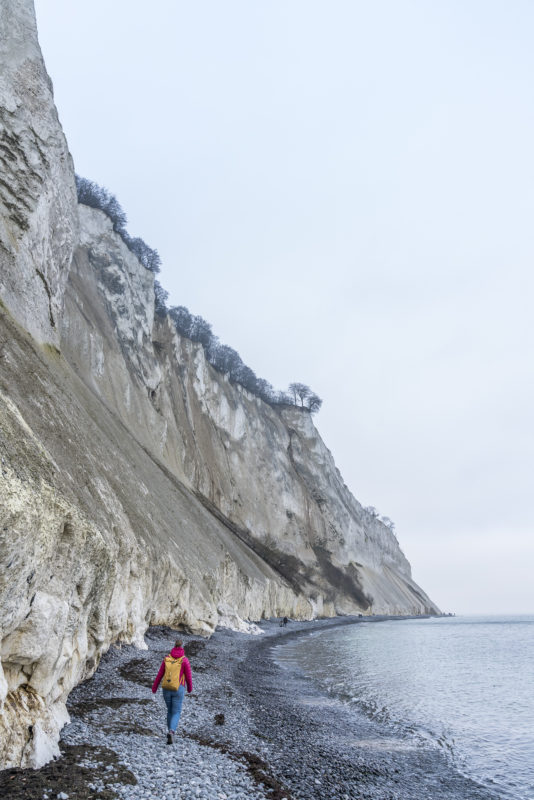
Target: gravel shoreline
pixel 251 730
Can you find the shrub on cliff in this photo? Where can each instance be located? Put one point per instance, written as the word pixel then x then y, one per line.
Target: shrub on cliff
pixel 182 318
pixel 228 361
pixel 95 196
pixel 148 257
pixel 313 402
pixel 223 358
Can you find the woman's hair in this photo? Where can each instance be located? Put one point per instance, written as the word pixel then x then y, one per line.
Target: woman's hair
pixel 178 643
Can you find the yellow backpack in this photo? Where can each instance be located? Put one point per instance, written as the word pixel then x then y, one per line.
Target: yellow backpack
pixel 171 679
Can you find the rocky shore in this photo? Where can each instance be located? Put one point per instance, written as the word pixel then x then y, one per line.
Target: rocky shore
pixel 250 730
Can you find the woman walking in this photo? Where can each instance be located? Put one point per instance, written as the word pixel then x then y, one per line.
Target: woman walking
pixel 175 672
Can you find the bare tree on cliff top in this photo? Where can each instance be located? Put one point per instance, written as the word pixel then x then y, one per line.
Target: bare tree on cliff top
pixel 313 402
pixel 301 391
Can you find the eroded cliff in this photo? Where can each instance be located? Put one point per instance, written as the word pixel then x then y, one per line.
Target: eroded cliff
pixel 37 194
pixel 138 485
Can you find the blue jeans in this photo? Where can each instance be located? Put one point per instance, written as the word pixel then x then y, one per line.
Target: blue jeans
pixel 173 701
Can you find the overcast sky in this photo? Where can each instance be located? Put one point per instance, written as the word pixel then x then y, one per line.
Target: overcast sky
pixel 345 191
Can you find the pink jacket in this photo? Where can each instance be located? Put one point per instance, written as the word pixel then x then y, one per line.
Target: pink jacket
pixel 185 671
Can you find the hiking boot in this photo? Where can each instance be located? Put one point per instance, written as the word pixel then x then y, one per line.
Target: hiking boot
pixel 169 738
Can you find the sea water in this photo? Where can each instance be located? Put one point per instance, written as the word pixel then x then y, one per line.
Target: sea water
pixel 464 684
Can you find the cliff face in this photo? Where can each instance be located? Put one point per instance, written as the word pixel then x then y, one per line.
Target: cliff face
pixel 262 472
pixel 37 193
pixel 138 486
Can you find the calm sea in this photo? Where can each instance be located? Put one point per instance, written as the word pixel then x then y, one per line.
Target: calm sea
pixel 464 684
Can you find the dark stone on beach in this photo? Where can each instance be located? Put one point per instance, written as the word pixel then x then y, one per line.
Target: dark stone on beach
pixel 67 775
pixel 138 671
pixel 83 707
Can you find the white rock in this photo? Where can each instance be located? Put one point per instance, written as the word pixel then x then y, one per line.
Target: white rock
pixel 229 618
pixel 37 193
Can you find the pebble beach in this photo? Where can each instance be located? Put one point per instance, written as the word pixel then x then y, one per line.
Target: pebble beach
pixel 251 729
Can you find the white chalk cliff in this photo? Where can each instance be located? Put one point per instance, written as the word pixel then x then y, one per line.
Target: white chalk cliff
pixel 138 486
